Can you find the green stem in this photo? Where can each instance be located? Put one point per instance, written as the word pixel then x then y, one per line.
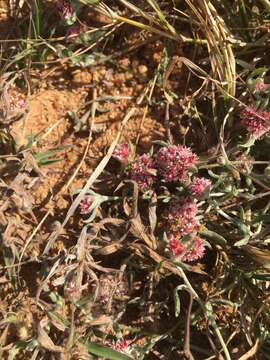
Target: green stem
pixel 37 19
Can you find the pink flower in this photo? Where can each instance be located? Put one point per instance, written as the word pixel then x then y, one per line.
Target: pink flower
pixel 181 217
pixel 21 102
pixel 174 161
pixel 65 9
pixel 199 186
pixel 261 86
pixel 122 153
pixel 122 346
pixel 85 205
pixel 176 247
pixel 181 221
pixel 191 251
pixel 196 252
pixel 257 122
pixel 143 172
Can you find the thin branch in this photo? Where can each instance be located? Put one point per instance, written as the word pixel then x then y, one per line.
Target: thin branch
pixel 187 351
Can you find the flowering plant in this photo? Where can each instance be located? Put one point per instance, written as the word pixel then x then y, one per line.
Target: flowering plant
pixel 91 202
pixel 170 165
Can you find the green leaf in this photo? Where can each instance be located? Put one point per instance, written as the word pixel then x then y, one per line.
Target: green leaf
pixel 47 157
pixel 259 218
pixel 14 351
pixel 263 277
pixel 243 227
pixel 214 237
pixel 105 352
pixel 21 345
pixel 177 304
pixel 243 241
pixel 59 319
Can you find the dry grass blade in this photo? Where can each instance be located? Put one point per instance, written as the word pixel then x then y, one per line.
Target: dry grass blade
pixel 45 341
pixel 52 271
pixel 110 249
pixel 262 257
pixel 219 46
pixel 252 352
pixel 138 230
pixel 142 250
pixel 31 237
pixel 107 11
pixel 153 214
pixel 81 254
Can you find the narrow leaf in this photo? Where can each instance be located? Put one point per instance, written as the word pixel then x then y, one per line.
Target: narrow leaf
pixel 105 352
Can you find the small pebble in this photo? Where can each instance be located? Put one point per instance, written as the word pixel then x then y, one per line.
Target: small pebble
pixel 142 69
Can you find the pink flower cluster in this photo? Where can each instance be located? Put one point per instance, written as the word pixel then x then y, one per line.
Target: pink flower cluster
pixel 177 247
pixel 194 251
pixel 85 204
pixel 174 161
pixel 143 172
pixel 199 186
pixel 257 122
pixel 181 217
pixel 181 221
pixel 122 153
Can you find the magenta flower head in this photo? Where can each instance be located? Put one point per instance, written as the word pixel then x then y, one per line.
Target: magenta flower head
pixel 122 153
pixel 257 122
pixel 174 161
pixel 199 186
pixel 182 227
pixel 73 31
pixel 177 248
pixel 85 205
pixel 191 251
pixel 143 172
pixel 181 217
pixel 196 251
pixel 122 346
pixel 261 86
pixel 66 11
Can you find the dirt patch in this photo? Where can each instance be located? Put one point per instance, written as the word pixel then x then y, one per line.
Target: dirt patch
pixel 48 123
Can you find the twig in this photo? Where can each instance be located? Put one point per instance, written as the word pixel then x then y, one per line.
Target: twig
pixel 207 310
pixel 187 351
pixel 167 123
